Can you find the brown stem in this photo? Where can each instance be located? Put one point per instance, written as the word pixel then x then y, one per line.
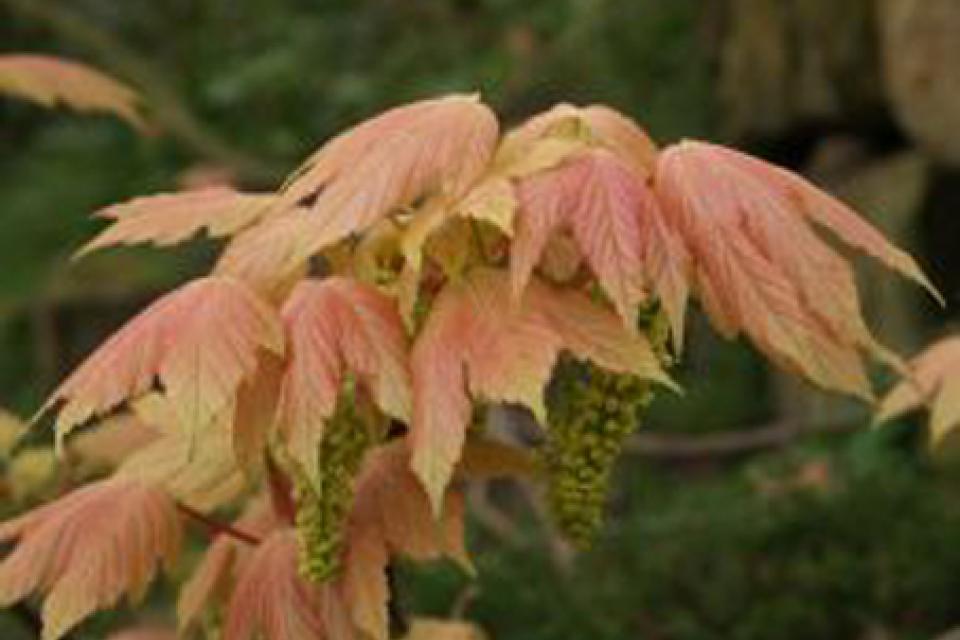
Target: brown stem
pixel 216 527
pixel 729 443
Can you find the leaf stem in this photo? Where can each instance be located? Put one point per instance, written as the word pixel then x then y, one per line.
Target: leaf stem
pixel 216 527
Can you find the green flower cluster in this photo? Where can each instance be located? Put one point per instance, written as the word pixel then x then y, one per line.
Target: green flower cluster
pixel 586 435
pixel 592 413
pixel 323 504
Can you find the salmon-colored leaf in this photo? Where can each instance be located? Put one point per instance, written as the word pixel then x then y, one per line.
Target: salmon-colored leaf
pixel 430 147
pixel 831 213
pixel 477 338
pixel 254 416
pixel 199 342
pixel 212 579
pixel 50 81
pixel 761 269
pixel 169 219
pixel 933 380
pixel 549 138
pixel 273 602
pixel 199 470
pixel 109 443
pixel 616 222
pixel 334 326
pixel 88 549
pixel 392 516
pixel 623 135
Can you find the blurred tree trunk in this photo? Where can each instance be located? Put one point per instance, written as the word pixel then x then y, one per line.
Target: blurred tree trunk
pixel 841 65
pixel 921 46
pixel 783 63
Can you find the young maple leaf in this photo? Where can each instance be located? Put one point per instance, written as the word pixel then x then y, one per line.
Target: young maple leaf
pixel 272 601
pixel 87 549
pixel 200 342
pixel 109 443
pixel 478 338
pixel 333 326
pixel 392 517
pixel 199 470
pixel 432 147
pixel 759 267
pixel 168 219
pixel 50 81
pixel 212 579
pixel 263 586
pixel 617 224
pixel 933 379
pixel 549 138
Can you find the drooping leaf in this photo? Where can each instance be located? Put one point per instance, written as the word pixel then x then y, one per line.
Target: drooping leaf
pixel 616 223
pixel 89 548
pixel 255 413
pixel 169 219
pixel 50 81
pixel 392 516
pixel 933 380
pixel 832 214
pixel 334 326
pixel 199 470
pixel 478 338
pixel 199 342
pixel 273 602
pixel 433 147
pixel 761 269
pixel 212 580
pixel 105 446
pixel 621 134
pixel 549 138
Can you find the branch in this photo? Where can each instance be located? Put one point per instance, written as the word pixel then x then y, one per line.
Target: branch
pixel 170 111
pixel 730 443
pixel 216 527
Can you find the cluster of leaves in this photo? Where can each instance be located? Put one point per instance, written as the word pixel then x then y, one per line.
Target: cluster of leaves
pixel 427 263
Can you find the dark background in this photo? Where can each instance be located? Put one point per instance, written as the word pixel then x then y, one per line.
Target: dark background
pixel 751 508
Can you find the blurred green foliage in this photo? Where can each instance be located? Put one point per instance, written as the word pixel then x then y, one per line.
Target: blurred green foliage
pixel 768 549
pixel 694 552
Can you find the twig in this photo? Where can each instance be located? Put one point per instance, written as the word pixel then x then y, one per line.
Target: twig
pixel 217 527
pixel 730 443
